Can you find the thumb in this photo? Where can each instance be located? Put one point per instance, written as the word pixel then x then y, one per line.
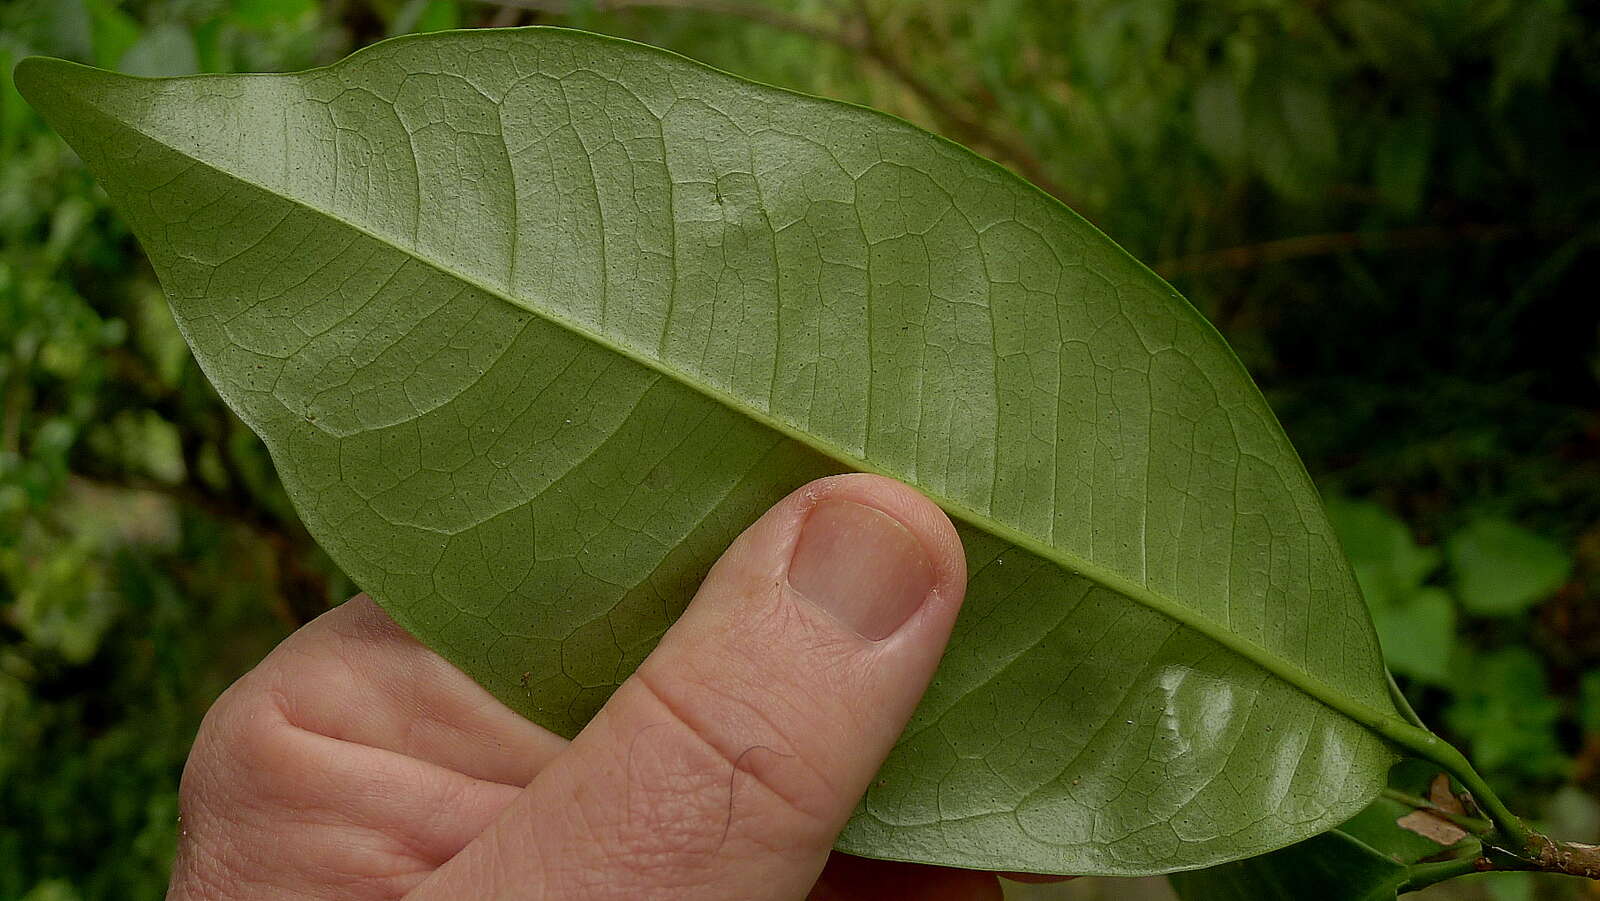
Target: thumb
pixel 727 764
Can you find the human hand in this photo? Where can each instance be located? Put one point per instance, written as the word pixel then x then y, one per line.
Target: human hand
pixel 354 763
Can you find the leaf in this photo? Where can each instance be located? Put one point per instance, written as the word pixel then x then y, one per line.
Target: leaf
pixel 1431 826
pixel 1219 118
pixel 1333 866
pixel 1589 701
pixel 114 32
pixel 1503 705
pixel 1394 41
pixel 1400 162
pixel 272 13
pixel 534 322
pixel 1389 564
pixel 163 50
pixel 1502 569
pixel 425 15
pixel 1528 50
pixel 1419 635
pixel 71 30
pixel 1380 826
pixel 1367 858
pixel 1417 625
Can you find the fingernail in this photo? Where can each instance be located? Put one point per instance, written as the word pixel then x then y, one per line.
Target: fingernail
pixel 862 566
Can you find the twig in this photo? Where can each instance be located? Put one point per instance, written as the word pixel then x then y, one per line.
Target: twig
pixel 1571 858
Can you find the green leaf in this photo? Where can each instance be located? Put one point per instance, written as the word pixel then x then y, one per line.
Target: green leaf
pixel 1528 49
pixel 1502 569
pixel 1504 708
pixel 1417 625
pixel 425 15
pixel 1368 858
pixel 1395 41
pixel 1589 702
pixel 1389 564
pixel 1418 635
pixel 1400 162
pixel 272 13
pixel 115 32
pixel 163 50
pixel 534 322
pixel 71 29
pixel 1333 866
pixel 1219 118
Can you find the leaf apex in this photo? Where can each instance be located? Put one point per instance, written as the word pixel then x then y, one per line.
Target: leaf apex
pixel 41 80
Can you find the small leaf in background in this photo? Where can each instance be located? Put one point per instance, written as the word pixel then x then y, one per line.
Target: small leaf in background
pixel 52 890
pixel 1417 625
pixel 1504 710
pixel 1573 814
pixel 1528 50
pixel 425 15
pixel 1292 140
pixel 163 50
pixel 1392 38
pixel 1418 634
pixel 59 599
pixel 1589 702
pixel 1400 163
pixel 1389 564
pixel 114 31
pixel 1502 569
pixel 267 13
pixel 72 30
pixel 1219 119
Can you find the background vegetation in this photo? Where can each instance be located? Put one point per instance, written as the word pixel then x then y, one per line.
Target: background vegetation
pixel 1390 207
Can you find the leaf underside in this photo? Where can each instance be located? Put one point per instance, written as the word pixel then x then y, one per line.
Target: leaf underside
pixel 534 322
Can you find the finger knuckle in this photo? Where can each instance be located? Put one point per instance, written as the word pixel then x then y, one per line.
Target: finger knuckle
pixel 740 756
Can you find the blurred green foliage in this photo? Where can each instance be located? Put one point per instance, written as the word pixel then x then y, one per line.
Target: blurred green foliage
pixel 1390 207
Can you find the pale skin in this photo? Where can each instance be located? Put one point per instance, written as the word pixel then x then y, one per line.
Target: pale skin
pixel 354 763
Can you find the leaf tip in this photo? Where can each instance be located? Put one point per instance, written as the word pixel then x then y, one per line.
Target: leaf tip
pixel 34 76
pixel 45 81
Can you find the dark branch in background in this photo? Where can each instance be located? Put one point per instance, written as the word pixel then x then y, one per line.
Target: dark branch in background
pixel 749 12
pixel 1249 256
pixel 956 117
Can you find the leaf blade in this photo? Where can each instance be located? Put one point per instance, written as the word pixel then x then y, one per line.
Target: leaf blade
pixel 254 249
